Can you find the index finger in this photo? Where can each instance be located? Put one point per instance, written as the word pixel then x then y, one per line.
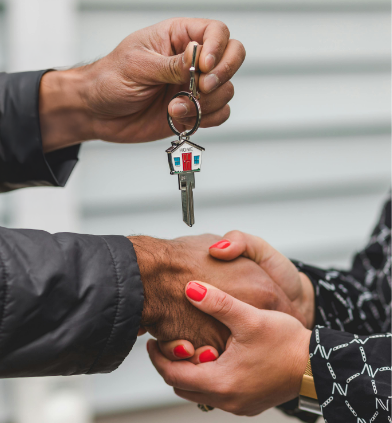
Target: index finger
pixel 215 40
pixel 214 35
pixel 220 57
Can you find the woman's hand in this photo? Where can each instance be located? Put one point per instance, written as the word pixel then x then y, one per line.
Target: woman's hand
pixel 124 97
pixel 277 269
pixel 280 269
pixel 262 366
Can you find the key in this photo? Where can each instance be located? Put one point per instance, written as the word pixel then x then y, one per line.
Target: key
pixel 185 156
pixel 186 183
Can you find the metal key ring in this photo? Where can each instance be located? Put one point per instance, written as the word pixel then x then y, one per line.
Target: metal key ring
pixel 198 115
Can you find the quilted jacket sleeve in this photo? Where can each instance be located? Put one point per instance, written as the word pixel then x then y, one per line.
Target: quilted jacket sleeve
pixel 22 161
pixel 69 304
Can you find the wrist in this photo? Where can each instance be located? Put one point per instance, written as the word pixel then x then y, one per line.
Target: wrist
pixel 160 269
pixel 301 360
pixel 64 116
pixel 308 301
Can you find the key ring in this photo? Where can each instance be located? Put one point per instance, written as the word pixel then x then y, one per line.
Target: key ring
pixel 198 115
pixel 194 96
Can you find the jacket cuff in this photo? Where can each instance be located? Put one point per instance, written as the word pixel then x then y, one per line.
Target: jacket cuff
pixel 314 274
pixel 129 306
pixel 22 160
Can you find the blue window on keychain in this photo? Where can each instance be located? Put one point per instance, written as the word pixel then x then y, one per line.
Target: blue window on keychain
pixel 177 161
pixel 197 159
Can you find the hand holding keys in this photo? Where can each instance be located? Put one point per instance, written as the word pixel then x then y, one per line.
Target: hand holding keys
pixel 184 156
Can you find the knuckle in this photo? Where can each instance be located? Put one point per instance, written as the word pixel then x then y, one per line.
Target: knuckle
pixel 226 390
pixel 235 234
pixel 230 91
pixel 225 29
pixel 235 408
pixel 271 299
pixel 225 114
pixel 241 51
pixel 170 379
pixel 223 304
pixel 174 71
pixel 228 70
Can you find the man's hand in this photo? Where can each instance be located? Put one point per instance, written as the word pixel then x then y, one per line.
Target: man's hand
pixel 167 266
pixel 262 366
pixel 124 96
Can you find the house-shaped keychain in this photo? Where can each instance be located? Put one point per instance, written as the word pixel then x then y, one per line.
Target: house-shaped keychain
pixel 184 157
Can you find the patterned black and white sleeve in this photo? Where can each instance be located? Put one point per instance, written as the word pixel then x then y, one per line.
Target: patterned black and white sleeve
pixel 351 347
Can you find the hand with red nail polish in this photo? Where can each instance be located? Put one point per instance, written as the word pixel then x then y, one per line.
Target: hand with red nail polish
pixel 166 267
pixel 262 366
pixel 279 268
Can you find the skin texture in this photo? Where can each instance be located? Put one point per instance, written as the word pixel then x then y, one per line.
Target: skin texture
pixel 167 266
pixel 262 366
pixel 280 270
pixel 124 97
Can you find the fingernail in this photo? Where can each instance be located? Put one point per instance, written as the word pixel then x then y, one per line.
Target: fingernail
pixel 211 81
pixel 179 109
pixel 180 351
pixel 209 61
pixel 206 356
pixel 195 291
pixel 221 245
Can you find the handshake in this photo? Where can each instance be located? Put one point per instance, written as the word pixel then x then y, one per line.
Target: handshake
pixel 247 296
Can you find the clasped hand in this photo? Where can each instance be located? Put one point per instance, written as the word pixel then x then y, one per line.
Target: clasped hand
pixel 266 352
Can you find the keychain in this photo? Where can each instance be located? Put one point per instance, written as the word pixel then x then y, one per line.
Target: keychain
pixel 185 156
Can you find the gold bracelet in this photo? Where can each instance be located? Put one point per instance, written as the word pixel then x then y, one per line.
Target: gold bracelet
pixel 307 386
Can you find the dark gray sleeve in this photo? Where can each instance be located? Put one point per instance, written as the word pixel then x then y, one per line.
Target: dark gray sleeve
pixel 22 161
pixel 69 304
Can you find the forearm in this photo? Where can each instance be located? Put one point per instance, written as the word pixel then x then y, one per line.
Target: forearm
pixel 65 119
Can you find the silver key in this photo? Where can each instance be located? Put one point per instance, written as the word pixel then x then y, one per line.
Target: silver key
pixel 185 156
pixel 186 183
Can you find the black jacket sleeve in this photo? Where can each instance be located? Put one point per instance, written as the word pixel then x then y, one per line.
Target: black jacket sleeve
pixel 69 303
pixel 22 161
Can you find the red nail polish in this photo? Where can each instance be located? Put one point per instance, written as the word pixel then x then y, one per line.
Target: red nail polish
pixel 180 352
pixel 195 291
pixel 221 245
pixel 206 356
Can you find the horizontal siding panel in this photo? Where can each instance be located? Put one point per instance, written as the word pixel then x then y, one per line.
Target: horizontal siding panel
pixel 311 100
pixel 312 229
pixel 125 177
pixel 270 38
pixel 246 5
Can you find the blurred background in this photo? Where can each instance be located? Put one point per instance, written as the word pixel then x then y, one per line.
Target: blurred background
pixel 304 161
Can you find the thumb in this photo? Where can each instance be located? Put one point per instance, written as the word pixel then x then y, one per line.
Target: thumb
pixel 278 267
pixel 237 243
pixel 175 69
pixel 233 313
